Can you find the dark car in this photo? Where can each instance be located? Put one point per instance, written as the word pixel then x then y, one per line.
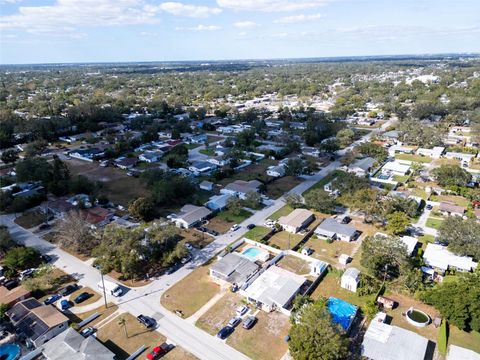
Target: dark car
pixel 64 305
pixel 346 220
pixel 146 321
pixel 69 289
pixel 88 331
pixel 172 269
pixel 82 297
pixel 429 207
pixel 250 226
pixel 10 284
pixel 249 322
pixel 46 258
pixel 51 299
pixel 225 332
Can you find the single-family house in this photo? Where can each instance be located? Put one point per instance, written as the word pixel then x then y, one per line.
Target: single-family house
pixel 11 297
pixel 58 207
pixel 435 153
pixel 38 323
pixel 386 342
pixel 234 268
pixel 217 160
pixel 275 288
pixel 462 157
pixel 126 163
pixel 218 202
pixel 350 279
pixel 439 257
pixel 190 215
pixel 151 156
pixel 390 135
pixel 202 167
pixel 362 167
pixel 450 209
pixel 241 188
pixel 206 185
pixel 276 171
pixel 459 353
pixel 395 168
pixel 331 229
pixel 73 346
pixel 197 139
pixel 87 154
pixel 297 220
pixel 97 216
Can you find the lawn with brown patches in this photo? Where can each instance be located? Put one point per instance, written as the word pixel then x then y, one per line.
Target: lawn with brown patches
pixel 265 341
pixel 30 219
pixel 113 336
pixel 280 186
pixel 285 240
pixel 195 238
pixel 219 224
pixel 191 293
pixel 220 313
pixel 329 252
pixel 294 264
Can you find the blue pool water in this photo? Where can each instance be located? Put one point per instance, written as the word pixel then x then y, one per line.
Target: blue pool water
pixel 252 253
pixel 342 312
pixel 383 177
pixel 9 352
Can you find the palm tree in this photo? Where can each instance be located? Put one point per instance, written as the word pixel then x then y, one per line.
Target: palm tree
pixel 122 322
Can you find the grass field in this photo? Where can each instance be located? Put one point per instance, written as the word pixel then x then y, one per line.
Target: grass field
pixel 294 264
pixel 329 252
pixel 191 293
pixel 230 217
pixel 426 239
pixel 457 200
pixel 257 233
pixel 324 181
pixel 285 240
pixel 280 186
pixel 434 223
pixel 414 158
pixel 281 212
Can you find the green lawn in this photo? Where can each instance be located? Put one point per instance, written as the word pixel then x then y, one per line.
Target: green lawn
pixel 192 146
pixel 426 239
pixel 228 216
pixel 434 223
pixel 324 181
pixel 257 233
pixel 281 212
pixel 209 151
pixel 402 179
pixel 414 158
pixel 457 200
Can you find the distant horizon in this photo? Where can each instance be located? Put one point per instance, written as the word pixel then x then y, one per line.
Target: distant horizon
pixel 392 57
pixel 108 31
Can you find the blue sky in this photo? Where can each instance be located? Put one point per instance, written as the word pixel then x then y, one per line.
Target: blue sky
pixel 38 31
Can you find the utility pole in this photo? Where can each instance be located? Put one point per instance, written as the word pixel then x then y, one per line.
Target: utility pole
pixel 104 291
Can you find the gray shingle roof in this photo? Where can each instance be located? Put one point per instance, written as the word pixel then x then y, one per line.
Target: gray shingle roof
pixel 330 225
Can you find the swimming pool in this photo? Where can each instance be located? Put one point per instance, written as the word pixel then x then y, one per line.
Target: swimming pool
pixel 9 352
pixel 255 253
pixel 343 313
pixel 383 177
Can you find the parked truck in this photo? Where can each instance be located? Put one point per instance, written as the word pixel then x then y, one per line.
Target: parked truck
pixel 111 288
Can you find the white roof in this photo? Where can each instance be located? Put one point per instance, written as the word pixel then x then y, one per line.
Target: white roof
pixel 410 242
pixel 459 353
pixel 386 342
pixel 275 286
pixel 438 256
pixel 352 273
pixel 396 166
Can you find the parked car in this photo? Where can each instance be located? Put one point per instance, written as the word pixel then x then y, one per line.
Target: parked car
pixel 88 331
pixel 225 332
pixel 46 258
pixel 346 220
pixel 241 310
pixel 159 351
pixel 69 289
pixel 186 259
pixel 172 269
pixel 429 207
pixel 234 321
pixel 10 284
pixel 51 299
pixel 64 305
pixel 189 246
pixel 235 227
pixel 82 297
pixel 250 226
pixel 146 321
pixel 249 322
pixel 26 273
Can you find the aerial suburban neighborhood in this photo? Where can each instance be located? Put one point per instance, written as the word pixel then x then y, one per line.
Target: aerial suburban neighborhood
pixel 231 210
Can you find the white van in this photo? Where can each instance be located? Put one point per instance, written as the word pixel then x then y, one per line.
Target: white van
pixel 111 288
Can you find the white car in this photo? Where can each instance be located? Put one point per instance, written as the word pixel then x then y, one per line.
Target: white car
pixel 235 227
pixel 189 246
pixel 241 310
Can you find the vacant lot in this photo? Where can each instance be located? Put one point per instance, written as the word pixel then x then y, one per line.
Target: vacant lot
pixel 230 217
pixel 265 341
pixel 30 219
pixel 324 181
pixel 257 233
pixel 414 158
pixel 322 250
pixel 195 238
pixel 220 313
pixel 280 186
pixel 219 224
pixel 191 293
pixel 295 265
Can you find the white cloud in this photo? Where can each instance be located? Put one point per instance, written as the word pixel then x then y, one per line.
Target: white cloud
pixel 245 24
pixel 188 10
pixel 200 27
pixel 294 19
pixel 271 5
pixel 68 15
